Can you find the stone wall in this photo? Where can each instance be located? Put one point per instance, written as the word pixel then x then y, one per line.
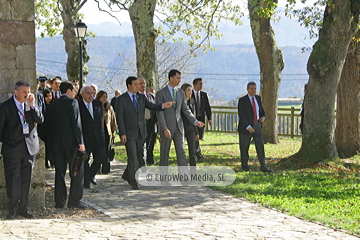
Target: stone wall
pixel 17 45
pixel 17 62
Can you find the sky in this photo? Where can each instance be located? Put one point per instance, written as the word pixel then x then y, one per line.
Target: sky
pixel 94 16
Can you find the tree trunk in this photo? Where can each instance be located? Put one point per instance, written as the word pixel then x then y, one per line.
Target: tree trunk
pixel 347 132
pixel 69 17
pixel 324 67
pixel 271 65
pixel 142 15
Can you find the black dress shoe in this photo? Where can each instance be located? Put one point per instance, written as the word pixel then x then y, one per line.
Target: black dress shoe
pixel 11 216
pixel 79 206
pixel 93 181
pixel 87 186
pixel 135 187
pixel 200 156
pixel 58 206
pixel 26 215
pixel 266 169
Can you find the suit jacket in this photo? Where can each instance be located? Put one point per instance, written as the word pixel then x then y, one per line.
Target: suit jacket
pixel 113 103
pixel 109 119
pixel 205 108
pixel 246 113
pixel 93 131
pixel 62 130
pixel 153 119
pixel 171 118
pixel 53 95
pixel 11 130
pixel 131 122
pixel 187 124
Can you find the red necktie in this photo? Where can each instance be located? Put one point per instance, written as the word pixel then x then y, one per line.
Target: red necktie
pixel 56 95
pixel 254 109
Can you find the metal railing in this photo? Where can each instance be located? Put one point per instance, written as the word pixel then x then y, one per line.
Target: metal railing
pixel 226 120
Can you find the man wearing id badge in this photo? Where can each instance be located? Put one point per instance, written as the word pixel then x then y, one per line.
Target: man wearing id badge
pixel 20 144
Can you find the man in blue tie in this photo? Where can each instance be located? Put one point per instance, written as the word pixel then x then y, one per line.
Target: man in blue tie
pixel 130 116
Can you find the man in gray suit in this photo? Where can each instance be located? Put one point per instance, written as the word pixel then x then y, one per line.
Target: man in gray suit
pixel 130 116
pixel 170 120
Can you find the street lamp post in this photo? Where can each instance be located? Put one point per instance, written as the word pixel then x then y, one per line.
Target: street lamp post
pixel 80 32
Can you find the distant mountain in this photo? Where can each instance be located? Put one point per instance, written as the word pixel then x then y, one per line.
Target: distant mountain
pixel 225 71
pixel 231 34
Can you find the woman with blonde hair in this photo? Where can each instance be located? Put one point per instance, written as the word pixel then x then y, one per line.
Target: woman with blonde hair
pixel 109 125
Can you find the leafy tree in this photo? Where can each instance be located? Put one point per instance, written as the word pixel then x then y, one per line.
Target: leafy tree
pixel 59 17
pixel 271 62
pixel 340 23
pixel 347 132
pixel 197 19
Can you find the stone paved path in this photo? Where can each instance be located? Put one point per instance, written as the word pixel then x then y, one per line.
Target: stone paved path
pixel 167 213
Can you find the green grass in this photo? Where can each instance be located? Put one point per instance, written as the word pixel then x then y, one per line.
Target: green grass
pixel 329 196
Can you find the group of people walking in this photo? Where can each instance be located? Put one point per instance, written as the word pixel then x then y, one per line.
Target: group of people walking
pixel 76 123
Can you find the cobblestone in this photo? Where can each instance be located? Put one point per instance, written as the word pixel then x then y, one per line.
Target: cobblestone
pixel 167 213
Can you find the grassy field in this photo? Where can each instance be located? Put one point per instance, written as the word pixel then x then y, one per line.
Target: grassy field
pixel 329 196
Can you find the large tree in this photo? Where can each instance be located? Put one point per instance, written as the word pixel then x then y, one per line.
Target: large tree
pixel 48 13
pixel 347 131
pixel 340 22
pixel 271 62
pixel 142 19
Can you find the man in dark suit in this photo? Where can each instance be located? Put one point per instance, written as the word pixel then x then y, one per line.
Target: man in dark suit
pixel 251 116
pixel 113 100
pixel 42 83
pixel 20 144
pixel 151 128
pixel 55 88
pixel 91 112
pixel 130 116
pixel 203 109
pixel 63 135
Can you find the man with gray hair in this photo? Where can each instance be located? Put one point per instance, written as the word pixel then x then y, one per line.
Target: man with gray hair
pixel 20 144
pixel 91 112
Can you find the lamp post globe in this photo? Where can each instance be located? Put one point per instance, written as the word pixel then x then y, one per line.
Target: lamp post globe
pixel 80 32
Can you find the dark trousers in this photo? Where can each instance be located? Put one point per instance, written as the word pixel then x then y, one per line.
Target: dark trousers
pixel 201 135
pixel 134 151
pixel 150 141
pixel 62 160
pixel 105 167
pixel 259 146
pixel 98 154
pixel 190 138
pixel 18 177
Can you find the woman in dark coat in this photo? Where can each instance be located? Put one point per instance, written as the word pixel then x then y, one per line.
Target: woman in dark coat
pixel 191 131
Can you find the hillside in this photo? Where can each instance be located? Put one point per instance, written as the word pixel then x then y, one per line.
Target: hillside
pixel 225 71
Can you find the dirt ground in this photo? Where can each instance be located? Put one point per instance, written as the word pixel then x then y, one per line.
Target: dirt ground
pixel 50 212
